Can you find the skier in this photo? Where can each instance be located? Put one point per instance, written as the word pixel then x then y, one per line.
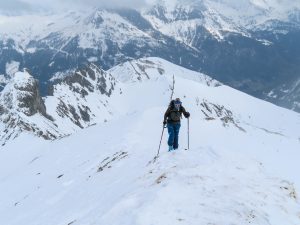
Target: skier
pixel 172 119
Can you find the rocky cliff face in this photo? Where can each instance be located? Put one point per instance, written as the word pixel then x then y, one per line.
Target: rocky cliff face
pixel 24 95
pixel 82 98
pixel 23 109
pixel 79 100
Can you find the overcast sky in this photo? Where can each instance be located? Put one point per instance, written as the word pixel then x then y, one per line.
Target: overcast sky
pixel 16 7
pixel 27 6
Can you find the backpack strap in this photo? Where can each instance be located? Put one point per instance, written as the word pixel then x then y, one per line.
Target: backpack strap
pixel 171 104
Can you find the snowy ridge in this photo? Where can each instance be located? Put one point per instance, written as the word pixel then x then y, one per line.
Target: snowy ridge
pixel 180 19
pixel 241 167
pixel 153 68
pixel 58 31
pixel 89 95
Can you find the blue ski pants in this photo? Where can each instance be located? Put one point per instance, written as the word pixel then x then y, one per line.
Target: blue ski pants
pixel 173 130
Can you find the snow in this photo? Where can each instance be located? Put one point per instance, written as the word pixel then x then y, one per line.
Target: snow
pixel 67 26
pixel 31 50
pixel 10 94
pixel 3 79
pixel 21 78
pixel 14 119
pixel 96 103
pixel 93 59
pixel 105 174
pixel 220 16
pixel 113 27
pixel 87 25
pixel 156 68
pixel 12 68
pixel 61 75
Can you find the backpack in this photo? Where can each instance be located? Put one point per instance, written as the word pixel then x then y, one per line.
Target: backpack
pixel 174 115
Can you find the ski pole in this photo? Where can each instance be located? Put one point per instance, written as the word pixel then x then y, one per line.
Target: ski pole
pixel 162 134
pixel 188 133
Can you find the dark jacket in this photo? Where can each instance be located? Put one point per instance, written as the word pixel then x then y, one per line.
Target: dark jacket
pixel 172 113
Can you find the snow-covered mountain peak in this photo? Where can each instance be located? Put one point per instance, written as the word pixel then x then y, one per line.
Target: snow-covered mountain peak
pixel 21 94
pixel 22 109
pixel 22 78
pixel 218 16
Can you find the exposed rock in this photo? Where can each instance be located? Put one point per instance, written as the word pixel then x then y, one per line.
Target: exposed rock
pixel 22 95
pixel 20 101
pixel 213 111
pixel 82 97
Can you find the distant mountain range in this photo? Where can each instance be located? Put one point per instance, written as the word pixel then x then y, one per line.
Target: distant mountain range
pixel 252 45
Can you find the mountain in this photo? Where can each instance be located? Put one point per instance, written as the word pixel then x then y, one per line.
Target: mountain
pixel 79 100
pixel 241 168
pixel 250 45
pixel 23 110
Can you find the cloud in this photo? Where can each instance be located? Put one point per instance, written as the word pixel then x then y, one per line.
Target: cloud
pixel 14 6
pixel 110 3
pixel 22 6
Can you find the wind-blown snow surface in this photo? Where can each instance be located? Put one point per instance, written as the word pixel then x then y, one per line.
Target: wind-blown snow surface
pixel 242 166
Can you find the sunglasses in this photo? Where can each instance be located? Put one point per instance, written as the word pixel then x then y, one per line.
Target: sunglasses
pixel 177 105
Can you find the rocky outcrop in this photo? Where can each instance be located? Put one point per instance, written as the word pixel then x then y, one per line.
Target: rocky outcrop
pixel 22 95
pixel 81 98
pixel 90 79
pixel 77 101
pixel 213 111
pixel 23 109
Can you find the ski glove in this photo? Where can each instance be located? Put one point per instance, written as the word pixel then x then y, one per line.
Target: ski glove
pixel 187 115
pixel 165 122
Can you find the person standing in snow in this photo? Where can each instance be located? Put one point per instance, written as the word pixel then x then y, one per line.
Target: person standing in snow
pixel 172 120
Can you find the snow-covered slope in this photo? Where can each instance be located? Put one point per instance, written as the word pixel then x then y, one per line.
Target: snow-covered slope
pixel 241 168
pixel 154 68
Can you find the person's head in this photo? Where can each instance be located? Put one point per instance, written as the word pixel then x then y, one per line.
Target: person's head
pixel 177 103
